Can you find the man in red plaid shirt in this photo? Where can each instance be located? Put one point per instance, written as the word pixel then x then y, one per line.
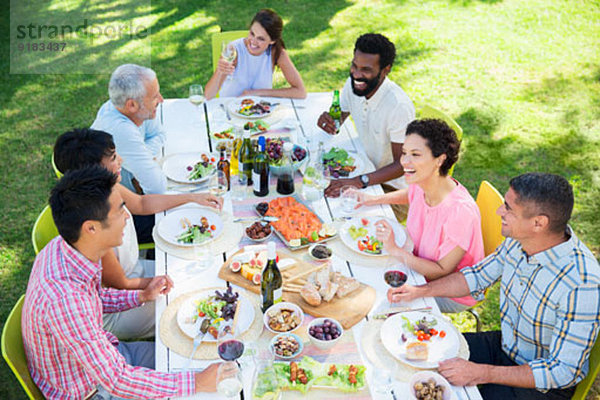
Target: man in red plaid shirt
pixel 69 355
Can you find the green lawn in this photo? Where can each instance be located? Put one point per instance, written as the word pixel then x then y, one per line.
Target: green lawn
pixel 522 78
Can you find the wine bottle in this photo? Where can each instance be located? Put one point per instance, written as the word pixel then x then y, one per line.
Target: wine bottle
pixel 260 173
pixel 285 179
pixel 271 282
pixel 223 165
pixel 246 157
pixel 335 111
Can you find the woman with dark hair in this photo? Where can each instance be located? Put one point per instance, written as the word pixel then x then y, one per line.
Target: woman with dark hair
pixel 257 56
pixel 443 220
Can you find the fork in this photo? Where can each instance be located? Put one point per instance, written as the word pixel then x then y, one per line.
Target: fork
pixel 197 340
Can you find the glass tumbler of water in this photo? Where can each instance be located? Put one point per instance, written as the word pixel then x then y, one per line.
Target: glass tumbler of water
pixel 229 380
pixel 349 197
pixel 239 187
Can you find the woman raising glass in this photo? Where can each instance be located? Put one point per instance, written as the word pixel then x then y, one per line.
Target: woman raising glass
pixel 443 219
pixel 257 56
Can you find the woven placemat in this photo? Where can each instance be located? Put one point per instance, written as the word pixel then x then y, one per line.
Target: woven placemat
pixel 228 240
pixel 342 250
pixel 172 336
pixel 381 357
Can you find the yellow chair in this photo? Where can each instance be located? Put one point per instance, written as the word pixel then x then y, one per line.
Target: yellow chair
pixel 489 200
pixel 44 230
pixel 220 37
pixel 429 112
pixel 14 352
pixel 583 387
pixel 55 168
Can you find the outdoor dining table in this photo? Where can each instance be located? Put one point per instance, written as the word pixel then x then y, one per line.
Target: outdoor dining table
pixel 187 130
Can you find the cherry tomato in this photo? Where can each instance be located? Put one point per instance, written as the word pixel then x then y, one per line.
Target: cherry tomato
pixel 427 336
pixel 361 246
pixel 213 228
pixel 201 314
pixel 433 332
pixel 420 333
pixel 420 337
pixel 212 159
pixel 442 334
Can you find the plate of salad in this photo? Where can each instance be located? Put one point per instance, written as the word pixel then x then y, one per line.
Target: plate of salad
pixel 435 336
pixel 215 306
pixel 251 107
pixel 190 227
pixel 342 164
pixel 190 167
pixel 309 373
pixel 359 234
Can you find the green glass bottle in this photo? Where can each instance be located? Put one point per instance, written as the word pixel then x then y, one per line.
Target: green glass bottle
pixel 335 111
pixel 246 157
pixel 260 172
pixel 271 283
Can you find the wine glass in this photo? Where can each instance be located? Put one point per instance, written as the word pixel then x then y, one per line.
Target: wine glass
pixel 229 53
pixel 229 346
pixel 197 97
pixel 229 380
pixel 217 184
pixel 394 275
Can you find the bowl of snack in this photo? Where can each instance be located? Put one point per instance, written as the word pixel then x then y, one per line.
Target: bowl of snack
pixel 274 151
pixel 429 385
pixel 283 317
pixel 320 252
pixel 286 345
pixel 259 231
pixel 325 332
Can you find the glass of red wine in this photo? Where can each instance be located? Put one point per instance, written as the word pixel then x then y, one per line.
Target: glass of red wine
pixel 230 348
pixel 394 274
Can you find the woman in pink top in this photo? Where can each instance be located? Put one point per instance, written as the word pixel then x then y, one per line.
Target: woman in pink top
pixel 443 220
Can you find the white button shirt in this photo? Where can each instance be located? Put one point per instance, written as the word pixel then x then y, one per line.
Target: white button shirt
pixel 379 121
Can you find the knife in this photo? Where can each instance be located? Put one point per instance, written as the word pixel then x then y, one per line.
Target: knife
pixel 226 112
pixel 395 311
pixel 272 131
pixel 266 218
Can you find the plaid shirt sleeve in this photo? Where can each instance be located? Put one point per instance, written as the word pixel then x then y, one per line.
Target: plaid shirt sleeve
pixel 77 327
pixel 485 273
pixel 115 300
pixel 572 340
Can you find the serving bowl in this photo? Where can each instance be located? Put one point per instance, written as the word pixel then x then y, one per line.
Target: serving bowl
pixel 324 344
pixel 293 336
pixel 424 376
pixel 311 255
pixel 297 311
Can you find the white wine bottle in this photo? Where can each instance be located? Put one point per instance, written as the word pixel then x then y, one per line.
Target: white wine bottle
pixel 271 283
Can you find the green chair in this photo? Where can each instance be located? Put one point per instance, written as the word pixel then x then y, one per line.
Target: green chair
pixel 220 37
pixel 14 352
pixel 43 230
pixel 429 112
pixel 583 387
pixel 55 168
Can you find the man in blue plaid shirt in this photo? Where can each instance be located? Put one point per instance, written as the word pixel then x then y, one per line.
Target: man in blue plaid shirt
pixel 549 299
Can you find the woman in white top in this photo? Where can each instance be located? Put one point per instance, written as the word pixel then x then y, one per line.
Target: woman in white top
pixel 122 269
pixel 257 56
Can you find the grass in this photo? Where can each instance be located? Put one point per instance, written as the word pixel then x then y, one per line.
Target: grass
pixel 522 78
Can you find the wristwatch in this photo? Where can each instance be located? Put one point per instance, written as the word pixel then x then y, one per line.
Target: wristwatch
pixel 364 179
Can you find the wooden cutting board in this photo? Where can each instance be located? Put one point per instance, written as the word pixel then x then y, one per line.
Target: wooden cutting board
pixel 348 310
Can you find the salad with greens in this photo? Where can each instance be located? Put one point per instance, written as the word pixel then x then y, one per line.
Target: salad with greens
pixel 204 167
pixel 308 372
pixel 196 233
pixel 339 162
pixel 216 308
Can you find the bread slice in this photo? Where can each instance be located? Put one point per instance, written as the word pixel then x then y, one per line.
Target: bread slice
pixel 418 351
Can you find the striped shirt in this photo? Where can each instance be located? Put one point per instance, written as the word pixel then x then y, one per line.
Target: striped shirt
pixel 549 307
pixel 68 352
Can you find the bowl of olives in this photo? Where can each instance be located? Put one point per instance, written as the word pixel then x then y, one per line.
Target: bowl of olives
pixel 325 332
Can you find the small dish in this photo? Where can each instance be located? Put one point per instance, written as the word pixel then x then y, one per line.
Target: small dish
pixel 319 245
pixel 284 305
pixel 324 344
pixel 259 240
pixel 424 376
pixel 285 339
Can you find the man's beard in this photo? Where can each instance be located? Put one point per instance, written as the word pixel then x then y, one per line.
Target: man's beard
pixel 371 85
pixel 144 113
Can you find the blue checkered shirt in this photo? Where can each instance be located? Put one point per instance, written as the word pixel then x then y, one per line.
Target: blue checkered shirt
pixel 549 307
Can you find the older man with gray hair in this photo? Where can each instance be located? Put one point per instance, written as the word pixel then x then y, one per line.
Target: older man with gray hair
pixel 129 116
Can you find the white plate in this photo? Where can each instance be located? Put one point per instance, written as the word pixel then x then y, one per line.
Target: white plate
pixel 175 166
pixel 235 104
pixel 188 308
pixel 399 234
pixel 170 226
pixel 439 348
pixel 358 162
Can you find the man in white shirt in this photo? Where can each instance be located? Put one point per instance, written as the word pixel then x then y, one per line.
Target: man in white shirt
pixel 381 111
pixel 130 117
